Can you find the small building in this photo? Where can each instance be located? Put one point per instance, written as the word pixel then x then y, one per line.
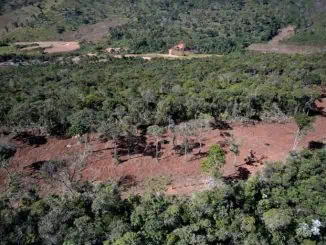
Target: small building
pixel 178 50
pixel 114 50
pixel 181 50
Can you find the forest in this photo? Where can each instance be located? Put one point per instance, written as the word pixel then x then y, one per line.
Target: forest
pixel 286 204
pixel 212 26
pixel 70 99
pixel 120 114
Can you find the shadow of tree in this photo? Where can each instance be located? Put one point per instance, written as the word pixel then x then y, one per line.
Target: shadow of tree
pixel 127 181
pixel 315 145
pixel 30 139
pixel 241 174
pixel 221 125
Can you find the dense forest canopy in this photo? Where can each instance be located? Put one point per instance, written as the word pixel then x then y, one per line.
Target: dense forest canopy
pixel 79 98
pixel 284 205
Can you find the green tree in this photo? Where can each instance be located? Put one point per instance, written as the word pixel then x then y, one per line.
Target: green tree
pixel 304 123
pixel 130 238
pixel 234 148
pixel 112 130
pixel 277 219
pixel 186 130
pixel 203 124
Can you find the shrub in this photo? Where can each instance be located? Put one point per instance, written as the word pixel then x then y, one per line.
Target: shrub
pixel 77 129
pixel 81 122
pixel 303 120
pixel 7 151
pixel 215 159
pixel 4 44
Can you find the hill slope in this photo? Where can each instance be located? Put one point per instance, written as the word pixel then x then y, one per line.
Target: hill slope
pixel 154 25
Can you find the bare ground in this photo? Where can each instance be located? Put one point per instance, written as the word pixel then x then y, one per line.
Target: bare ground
pixel 51 46
pixel 269 142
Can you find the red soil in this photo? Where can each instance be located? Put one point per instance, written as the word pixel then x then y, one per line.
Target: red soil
pixel 270 141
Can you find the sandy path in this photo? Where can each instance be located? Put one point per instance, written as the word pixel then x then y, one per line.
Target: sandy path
pixel 165 56
pixel 52 47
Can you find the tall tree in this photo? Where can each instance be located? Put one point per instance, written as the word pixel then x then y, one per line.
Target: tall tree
pixel 172 128
pixel 112 130
pixel 234 148
pixel 203 124
pixel 186 130
pixel 157 132
pixel 304 124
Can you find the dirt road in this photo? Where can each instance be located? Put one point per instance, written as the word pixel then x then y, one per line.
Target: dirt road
pixel 51 46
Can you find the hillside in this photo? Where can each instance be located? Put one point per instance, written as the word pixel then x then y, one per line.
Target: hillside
pixel 163 122
pixel 117 101
pixel 146 26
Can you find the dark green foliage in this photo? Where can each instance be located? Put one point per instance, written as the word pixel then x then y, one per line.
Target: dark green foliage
pixel 303 121
pixel 313 33
pixel 4 43
pixel 285 205
pixel 209 26
pixel 206 26
pixel 11 5
pixel 214 26
pixel 134 92
pixel 7 151
pixel 61 29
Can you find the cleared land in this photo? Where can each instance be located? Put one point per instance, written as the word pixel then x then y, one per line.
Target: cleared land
pixel 50 47
pixel 269 142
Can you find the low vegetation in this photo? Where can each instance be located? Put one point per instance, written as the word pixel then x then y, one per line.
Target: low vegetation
pixel 214 161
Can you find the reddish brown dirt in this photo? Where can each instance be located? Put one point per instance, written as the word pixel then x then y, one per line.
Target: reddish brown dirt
pixel 270 142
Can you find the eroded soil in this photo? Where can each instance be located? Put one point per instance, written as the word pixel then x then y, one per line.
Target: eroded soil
pixel 263 142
